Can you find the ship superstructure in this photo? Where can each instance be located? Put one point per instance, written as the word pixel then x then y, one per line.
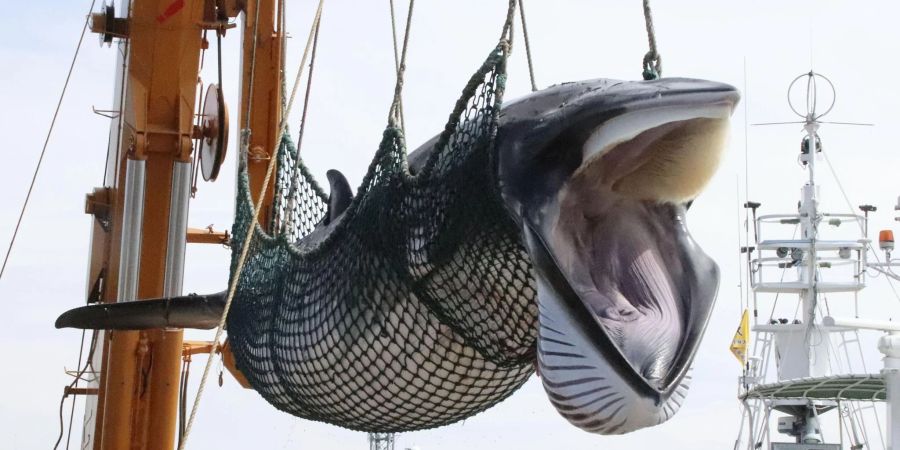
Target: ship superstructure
pixel 805 384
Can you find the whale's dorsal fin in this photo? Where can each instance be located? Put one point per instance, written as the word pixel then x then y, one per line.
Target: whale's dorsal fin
pixel 340 196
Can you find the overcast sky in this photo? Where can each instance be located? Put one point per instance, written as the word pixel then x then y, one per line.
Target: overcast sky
pixel 854 43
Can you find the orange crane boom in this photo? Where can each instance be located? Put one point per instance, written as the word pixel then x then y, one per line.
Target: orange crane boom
pixel 139 237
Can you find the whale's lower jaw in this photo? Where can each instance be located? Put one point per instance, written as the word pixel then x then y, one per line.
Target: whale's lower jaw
pixel 582 384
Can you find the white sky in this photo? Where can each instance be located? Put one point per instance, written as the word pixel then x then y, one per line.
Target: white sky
pixel 854 43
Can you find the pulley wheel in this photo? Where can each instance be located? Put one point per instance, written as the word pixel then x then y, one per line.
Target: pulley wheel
pixel 214 133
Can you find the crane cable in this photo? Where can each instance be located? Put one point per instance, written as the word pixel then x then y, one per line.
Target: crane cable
pixel 312 44
pixel 527 45
pixel 245 248
pixel 306 51
pixel 295 174
pixel 37 167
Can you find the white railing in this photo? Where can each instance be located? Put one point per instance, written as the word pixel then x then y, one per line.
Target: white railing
pixel 781 265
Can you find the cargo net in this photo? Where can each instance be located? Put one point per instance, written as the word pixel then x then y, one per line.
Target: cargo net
pixel 415 309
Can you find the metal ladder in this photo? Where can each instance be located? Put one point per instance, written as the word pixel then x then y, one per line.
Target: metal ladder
pixel 762 346
pixel 855 412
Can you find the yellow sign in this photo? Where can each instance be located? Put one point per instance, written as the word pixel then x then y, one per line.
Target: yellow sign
pixel 739 342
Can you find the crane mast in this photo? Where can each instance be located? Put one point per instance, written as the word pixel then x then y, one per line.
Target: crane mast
pixel 141 230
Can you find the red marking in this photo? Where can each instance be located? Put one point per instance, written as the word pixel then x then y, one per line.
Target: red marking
pixel 170 11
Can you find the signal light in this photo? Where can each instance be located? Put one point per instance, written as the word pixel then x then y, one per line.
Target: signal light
pixel 886 240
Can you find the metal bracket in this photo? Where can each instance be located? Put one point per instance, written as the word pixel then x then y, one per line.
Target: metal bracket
pixel 69 390
pixel 108 113
pixel 208 236
pixel 98 204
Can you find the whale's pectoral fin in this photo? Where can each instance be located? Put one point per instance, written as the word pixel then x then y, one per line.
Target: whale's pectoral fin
pixel 340 197
pixel 190 311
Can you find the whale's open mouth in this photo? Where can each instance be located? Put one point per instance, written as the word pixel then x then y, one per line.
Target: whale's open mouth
pixel 619 222
pixel 624 291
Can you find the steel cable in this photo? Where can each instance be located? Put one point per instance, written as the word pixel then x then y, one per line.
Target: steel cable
pixel 40 161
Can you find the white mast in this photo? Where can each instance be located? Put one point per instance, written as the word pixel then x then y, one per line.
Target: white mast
pixel 810 377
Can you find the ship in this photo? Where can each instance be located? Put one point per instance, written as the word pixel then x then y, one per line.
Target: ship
pixel 199 119
pixel 808 380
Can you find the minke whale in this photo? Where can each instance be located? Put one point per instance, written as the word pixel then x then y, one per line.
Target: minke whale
pixel 598 176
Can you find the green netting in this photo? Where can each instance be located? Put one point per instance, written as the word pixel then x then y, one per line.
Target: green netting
pixel 416 309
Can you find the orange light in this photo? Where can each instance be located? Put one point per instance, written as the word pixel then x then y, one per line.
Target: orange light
pixel 886 239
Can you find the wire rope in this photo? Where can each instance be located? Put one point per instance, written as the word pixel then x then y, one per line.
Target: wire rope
pixel 527 45
pixel 40 160
pixel 303 115
pixel 311 42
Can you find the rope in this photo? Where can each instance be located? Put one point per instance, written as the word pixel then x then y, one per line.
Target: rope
pixel 309 81
pixel 394 118
pixel 311 39
pixel 397 61
pixel 394 114
pixel 245 133
pixel 37 168
pixel 527 45
pixel 652 60
pixel 282 128
pixel 506 34
pixel 287 224
pixel 306 50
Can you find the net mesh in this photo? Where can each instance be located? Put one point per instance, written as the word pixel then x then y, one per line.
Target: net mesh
pixel 415 309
